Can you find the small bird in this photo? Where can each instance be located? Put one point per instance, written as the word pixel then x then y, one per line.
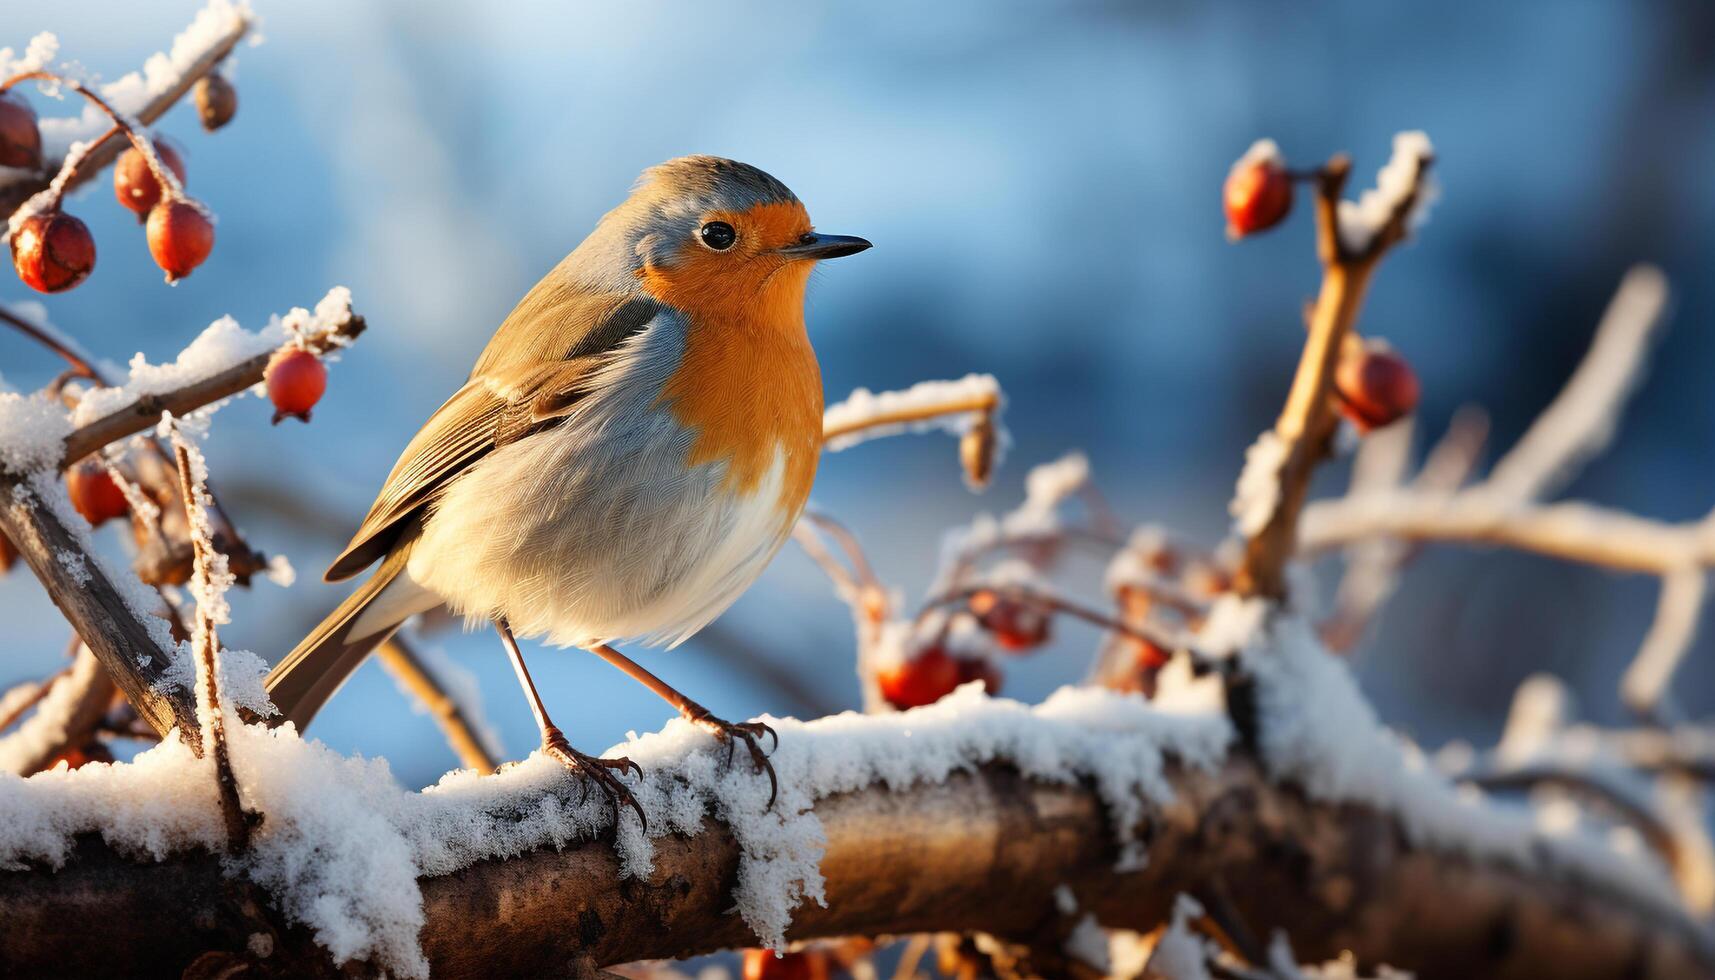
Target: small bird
pixel 629 452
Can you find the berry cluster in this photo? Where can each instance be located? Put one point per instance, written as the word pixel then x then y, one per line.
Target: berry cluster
pixel 53 251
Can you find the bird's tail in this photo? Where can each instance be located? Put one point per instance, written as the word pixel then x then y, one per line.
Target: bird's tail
pixel 302 682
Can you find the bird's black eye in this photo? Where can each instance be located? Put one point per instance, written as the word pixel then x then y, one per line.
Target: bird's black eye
pixel 719 235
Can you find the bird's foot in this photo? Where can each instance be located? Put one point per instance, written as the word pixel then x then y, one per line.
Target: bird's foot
pixel 603 772
pixel 749 732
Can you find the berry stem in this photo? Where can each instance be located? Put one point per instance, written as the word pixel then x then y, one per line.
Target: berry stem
pixel 1055 604
pixel 171 189
pixel 81 367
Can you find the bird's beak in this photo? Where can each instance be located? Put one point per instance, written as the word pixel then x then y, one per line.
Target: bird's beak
pixel 819 246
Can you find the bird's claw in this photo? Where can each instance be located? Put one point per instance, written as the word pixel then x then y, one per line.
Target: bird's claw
pixel 602 772
pixel 750 733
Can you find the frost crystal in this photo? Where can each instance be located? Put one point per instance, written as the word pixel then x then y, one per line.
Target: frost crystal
pixel 1360 220
pixel 1258 491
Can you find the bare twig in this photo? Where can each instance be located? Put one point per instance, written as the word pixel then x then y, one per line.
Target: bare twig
pixel 1644 686
pixel 207 647
pixel 1582 419
pixel 82 364
pixel 68 714
pixel 401 659
pixel 1373 566
pixel 1307 422
pixel 1059 604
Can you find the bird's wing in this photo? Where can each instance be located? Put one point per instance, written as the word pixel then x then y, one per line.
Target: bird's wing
pixel 502 402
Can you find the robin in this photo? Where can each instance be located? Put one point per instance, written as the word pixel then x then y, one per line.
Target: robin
pixel 629 452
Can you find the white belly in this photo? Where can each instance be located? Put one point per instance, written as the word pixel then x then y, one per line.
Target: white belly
pixel 591 533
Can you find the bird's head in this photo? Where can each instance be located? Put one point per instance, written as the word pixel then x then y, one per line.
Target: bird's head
pixel 718 238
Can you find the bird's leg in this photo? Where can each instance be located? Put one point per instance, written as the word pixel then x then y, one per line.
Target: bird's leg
pixel 602 771
pixel 750 732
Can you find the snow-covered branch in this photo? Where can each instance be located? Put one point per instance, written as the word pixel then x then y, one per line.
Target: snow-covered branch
pixel 223 362
pixel 920 859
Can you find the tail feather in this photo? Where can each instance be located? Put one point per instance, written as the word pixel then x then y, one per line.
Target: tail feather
pixel 304 680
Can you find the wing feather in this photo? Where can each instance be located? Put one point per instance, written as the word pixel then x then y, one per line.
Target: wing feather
pixel 502 402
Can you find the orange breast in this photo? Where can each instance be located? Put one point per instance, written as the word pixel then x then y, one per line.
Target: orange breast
pixel 748 384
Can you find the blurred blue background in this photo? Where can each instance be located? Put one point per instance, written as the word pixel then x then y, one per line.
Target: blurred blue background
pixel 1042 185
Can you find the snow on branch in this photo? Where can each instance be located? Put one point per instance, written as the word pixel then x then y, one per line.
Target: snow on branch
pixel 886 824
pixel 969 408
pixel 225 360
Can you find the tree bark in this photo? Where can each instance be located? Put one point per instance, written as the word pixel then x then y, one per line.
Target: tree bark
pixel 982 851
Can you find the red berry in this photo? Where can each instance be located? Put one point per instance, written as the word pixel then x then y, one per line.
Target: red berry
pixel 94 493
pixel 52 251
pixel 295 379
pixel 134 184
pixel 20 140
pixel 76 757
pixel 8 554
pixel 1375 388
pixel 978 669
pixel 180 237
pixel 762 964
pixel 1258 194
pixel 927 677
pixel 216 101
pixel 1146 654
pixel 1016 626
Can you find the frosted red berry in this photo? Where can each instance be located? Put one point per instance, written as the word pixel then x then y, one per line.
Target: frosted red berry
pixel 20 139
pixel 52 251
pixel 1257 195
pixel 926 677
pixel 1375 388
pixel 134 183
pixel 295 380
pixel 216 101
pixel 180 237
pixel 94 493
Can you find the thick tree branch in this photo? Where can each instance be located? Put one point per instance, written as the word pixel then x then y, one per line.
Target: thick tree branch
pixel 95 607
pixel 928 858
